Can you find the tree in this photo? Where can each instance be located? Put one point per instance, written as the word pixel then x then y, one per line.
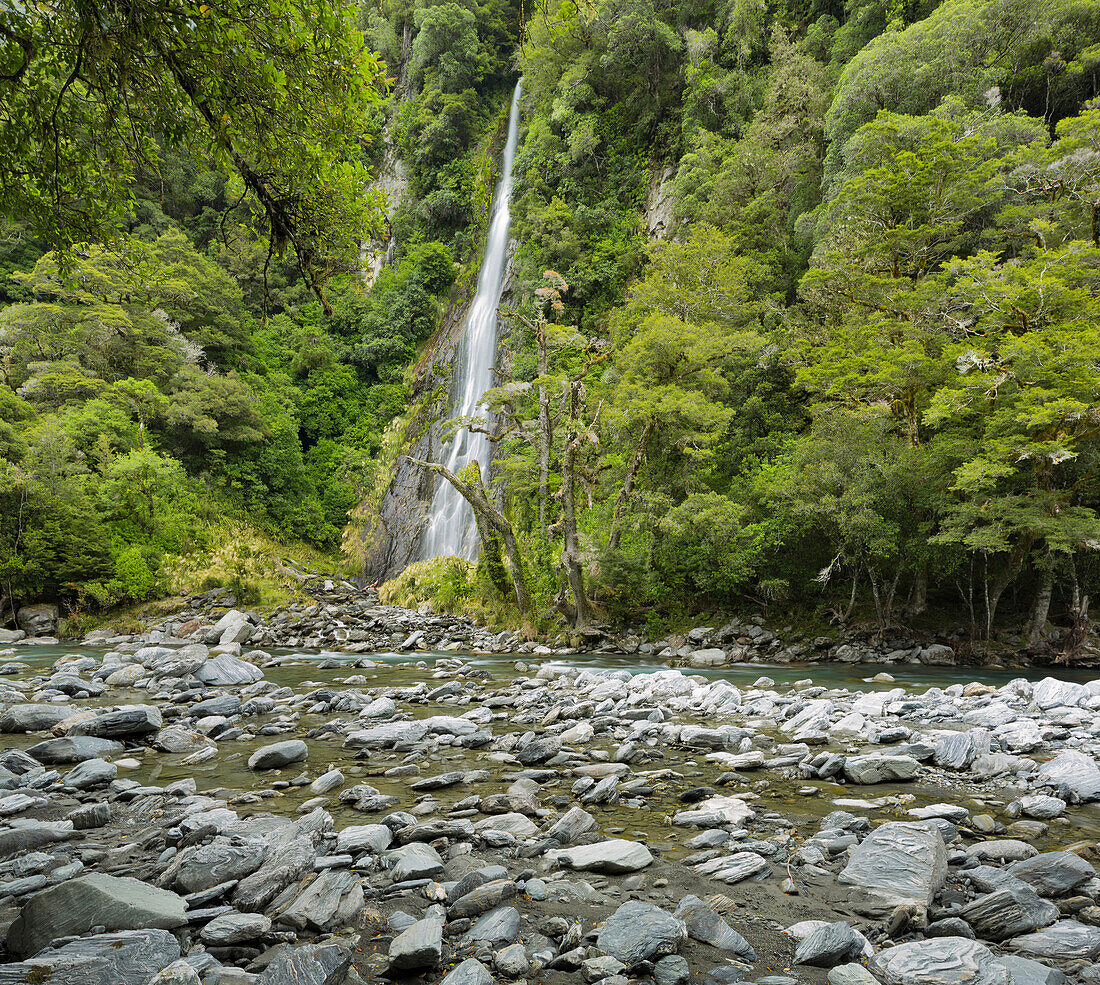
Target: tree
pixel 277 94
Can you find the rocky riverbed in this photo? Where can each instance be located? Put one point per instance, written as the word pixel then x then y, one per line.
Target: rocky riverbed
pixel 190 807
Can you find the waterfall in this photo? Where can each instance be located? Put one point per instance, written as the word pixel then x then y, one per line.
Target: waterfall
pixel 451 529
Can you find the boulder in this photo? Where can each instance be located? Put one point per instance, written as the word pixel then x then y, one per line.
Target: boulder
pixel 828 946
pixel 33 718
pixel 132 957
pixel 704 924
pixel 418 948
pixel 1008 912
pixel 1053 873
pixel 225 670
pixel 495 928
pixel 571 825
pixel 942 961
pixel 312 964
pixel 199 867
pixel 638 932
pixel 1052 693
pixel 278 755
pixel 91 773
pixel 235 928
pixel 880 768
pixel 93 900
pixel 469 972
pixel 325 903
pixel 614 855
pixel 1066 940
pixel 415 861
pixel 387 736
pixel 38 620
pixel 54 752
pixel 1025 971
pixel 1072 771
pixel 127 722
pixel 900 863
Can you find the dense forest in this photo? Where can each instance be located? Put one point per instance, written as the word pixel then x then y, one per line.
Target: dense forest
pixel 805 312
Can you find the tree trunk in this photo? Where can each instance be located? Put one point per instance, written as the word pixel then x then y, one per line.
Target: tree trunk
pixel 1042 602
pixel 546 427
pixel 628 486
pixel 918 600
pixel 570 554
pixel 994 590
pixel 489 519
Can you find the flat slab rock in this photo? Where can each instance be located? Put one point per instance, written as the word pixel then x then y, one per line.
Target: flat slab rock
pixel 613 855
pixel 94 900
pixel 899 863
pixel 1066 940
pixel 131 957
pixel 312 964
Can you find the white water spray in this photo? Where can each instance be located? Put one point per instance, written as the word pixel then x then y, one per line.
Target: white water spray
pixel 451 527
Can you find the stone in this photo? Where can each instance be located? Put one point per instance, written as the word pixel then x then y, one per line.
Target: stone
pixel 851 974
pixel 90 773
pixel 226 670
pixel 418 947
pixel 943 961
pixel 415 861
pixel 571 825
pixel 900 863
pixel 313 964
pixel 1072 771
pixel 93 900
pixel 1066 940
pixel 1042 808
pixel 128 722
pixel 235 928
pixel 33 718
pixel 131 957
pixel 1008 912
pixel 359 838
pixel 671 970
pixel 278 755
pixel 704 924
pixel 1053 873
pixel 469 972
pixel 200 866
pixel 54 752
pixel 39 619
pixel 1052 693
pixel 222 705
pixel 324 903
pixel 639 931
pixel 1025 971
pixel 284 864
pixel 879 768
pixel 614 855
pixel 177 973
pixel 495 928
pixel 958 750
pixel 1002 850
pixel 483 898
pixel 178 739
pixel 511 961
pixel 828 946
pixel 387 736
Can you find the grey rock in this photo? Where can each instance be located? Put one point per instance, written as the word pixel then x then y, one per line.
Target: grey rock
pixel 959 749
pixel 91 773
pixel 946 961
pixel 178 739
pixel 1053 873
pixel 1072 771
pixel 313 964
pixel 373 838
pixel 483 898
pixel 39 619
pixel 128 722
pixel 495 928
pixel 614 855
pixel 1066 940
pixel 177 973
pixel 128 958
pixel 638 932
pixel 571 825
pixel 671 970
pixel 278 754
pixel 225 670
pixel 880 768
pixel 704 924
pixel 511 961
pixel 387 736
pixel 469 972
pixel 93 900
pixel 285 863
pixel 224 705
pixel 899 863
pixel 235 928
pixel 851 974
pixel 828 946
pixel 419 947
pixel 54 752
pixel 415 861
pixel 33 718
pixel 1008 912
pixel 324 903
pixel 1025 971
pixel 201 866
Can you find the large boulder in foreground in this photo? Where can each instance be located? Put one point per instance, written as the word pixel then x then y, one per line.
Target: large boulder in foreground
pixel 899 863
pixel 638 932
pixel 131 957
pixel 1073 772
pixel 942 961
pixel 94 900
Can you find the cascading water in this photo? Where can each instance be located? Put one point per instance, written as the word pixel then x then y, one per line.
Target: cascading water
pixel 451 528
